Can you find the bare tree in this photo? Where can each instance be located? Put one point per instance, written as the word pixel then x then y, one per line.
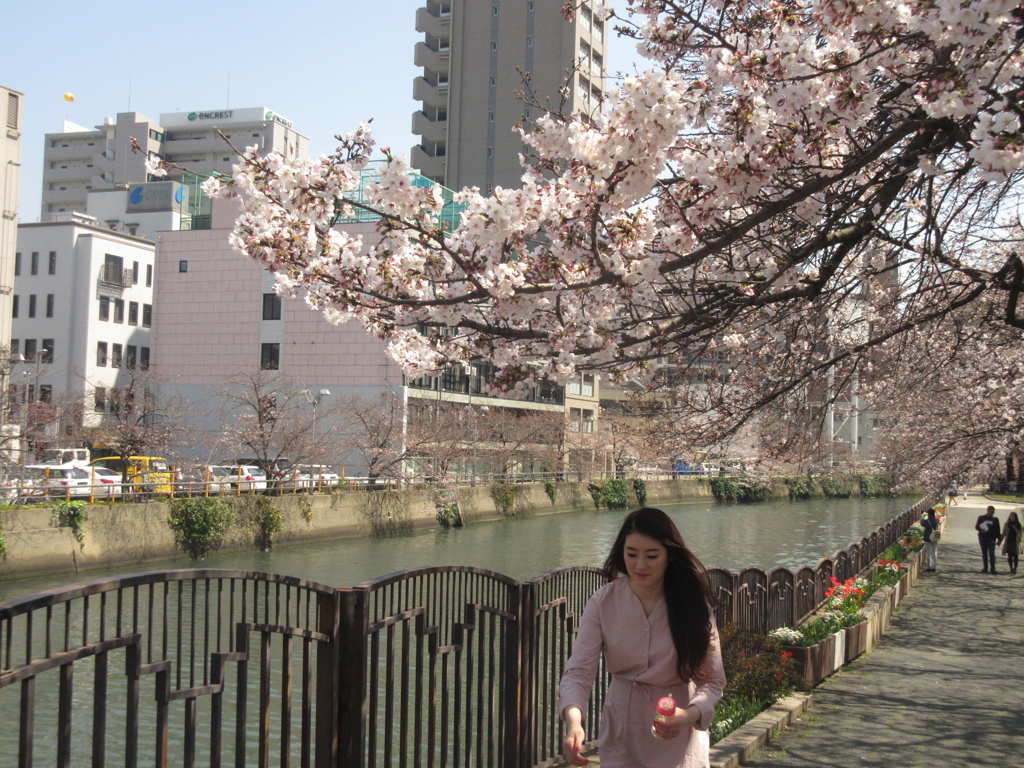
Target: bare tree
pixel 134 418
pixel 267 416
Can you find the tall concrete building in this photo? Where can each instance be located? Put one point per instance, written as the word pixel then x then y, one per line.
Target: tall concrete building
pixel 10 167
pixel 79 160
pixel 473 55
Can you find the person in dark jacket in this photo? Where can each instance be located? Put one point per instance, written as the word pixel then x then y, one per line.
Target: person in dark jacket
pixel 931 540
pixel 988 536
pixel 1011 542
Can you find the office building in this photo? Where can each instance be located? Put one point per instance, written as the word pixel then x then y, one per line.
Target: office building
pixel 473 55
pixel 79 160
pixel 10 167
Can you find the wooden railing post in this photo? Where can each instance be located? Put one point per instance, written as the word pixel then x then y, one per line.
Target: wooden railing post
pixel 327 655
pixel 528 661
pixel 353 624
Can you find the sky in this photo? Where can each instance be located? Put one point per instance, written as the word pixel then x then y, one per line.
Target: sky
pixel 326 66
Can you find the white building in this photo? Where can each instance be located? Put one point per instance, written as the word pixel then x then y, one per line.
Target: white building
pixel 79 160
pixel 10 166
pixel 82 310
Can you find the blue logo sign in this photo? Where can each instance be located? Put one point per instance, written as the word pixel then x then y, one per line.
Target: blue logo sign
pixel 136 196
pixel 179 195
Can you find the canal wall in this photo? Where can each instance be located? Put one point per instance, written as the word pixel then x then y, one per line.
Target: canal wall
pixel 135 533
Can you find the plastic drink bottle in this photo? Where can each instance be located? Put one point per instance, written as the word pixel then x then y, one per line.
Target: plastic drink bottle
pixel 665 709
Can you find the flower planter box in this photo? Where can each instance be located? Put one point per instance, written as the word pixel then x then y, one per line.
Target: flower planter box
pixel 820 660
pixel 858 640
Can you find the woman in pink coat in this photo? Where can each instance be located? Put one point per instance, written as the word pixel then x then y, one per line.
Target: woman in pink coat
pixel 654 624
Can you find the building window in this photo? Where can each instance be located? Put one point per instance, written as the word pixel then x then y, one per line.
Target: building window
pixel 49 304
pixel 17 264
pixel 490 151
pixel 155 135
pixel 183 266
pixel 588 385
pixel 494 45
pixel 270 357
pixel 144 358
pixel 31 305
pixel 115 356
pixel 147 315
pixel 12 111
pixel 133 313
pixel 149 275
pixel 15 347
pixel 30 350
pixel 118 310
pixel 529 42
pixel 271 306
pixel 101 353
pixel 53 262
pixel 104 308
pixel 47 350
pixel 113 270
pixel 495 10
pixel 130 356
pixel 100 398
pixel 494 81
pixel 34 268
pixel 490 116
pixel 135 273
pixel 45 393
pixel 14 305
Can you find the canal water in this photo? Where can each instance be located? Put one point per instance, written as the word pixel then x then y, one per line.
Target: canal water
pixel 769 535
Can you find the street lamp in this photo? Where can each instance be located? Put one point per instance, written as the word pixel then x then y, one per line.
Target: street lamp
pixel 314 400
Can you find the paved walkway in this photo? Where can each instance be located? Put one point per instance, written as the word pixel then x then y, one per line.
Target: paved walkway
pixel 944 687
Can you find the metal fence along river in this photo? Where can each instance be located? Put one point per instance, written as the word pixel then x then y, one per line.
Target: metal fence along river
pixel 447 666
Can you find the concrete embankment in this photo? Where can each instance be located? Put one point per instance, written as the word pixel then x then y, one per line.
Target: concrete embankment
pixel 131 534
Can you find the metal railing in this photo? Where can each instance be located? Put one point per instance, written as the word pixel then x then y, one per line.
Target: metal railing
pixel 446 666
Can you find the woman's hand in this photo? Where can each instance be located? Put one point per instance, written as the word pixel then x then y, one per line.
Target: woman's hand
pixel 679 722
pixel 575 737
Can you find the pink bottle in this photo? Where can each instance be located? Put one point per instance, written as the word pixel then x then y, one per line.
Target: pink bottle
pixel 665 709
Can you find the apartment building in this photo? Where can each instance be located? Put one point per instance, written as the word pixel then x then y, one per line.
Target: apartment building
pixel 82 311
pixel 473 55
pixel 10 167
pixel 79 160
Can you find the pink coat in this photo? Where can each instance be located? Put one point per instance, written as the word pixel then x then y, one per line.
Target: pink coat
pixel 641 658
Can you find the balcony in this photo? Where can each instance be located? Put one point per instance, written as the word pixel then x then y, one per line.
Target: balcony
pixel 428 165
pixel 112 276
pixel 431 23
pixel 429 94
pixel 429 58
pixel 431 131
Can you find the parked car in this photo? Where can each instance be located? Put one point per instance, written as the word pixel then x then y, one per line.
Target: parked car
pixel 319 475
pixel 250 478
pixel 199 481
pixel 62 482
pixel 106 483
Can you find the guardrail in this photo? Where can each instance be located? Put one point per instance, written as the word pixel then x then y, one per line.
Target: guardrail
pixel 21 493
pixel 442 666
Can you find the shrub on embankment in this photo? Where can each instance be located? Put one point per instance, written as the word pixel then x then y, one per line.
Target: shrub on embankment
pixel 742 490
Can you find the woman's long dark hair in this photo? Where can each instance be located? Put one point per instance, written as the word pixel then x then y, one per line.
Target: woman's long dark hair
pixel 688 596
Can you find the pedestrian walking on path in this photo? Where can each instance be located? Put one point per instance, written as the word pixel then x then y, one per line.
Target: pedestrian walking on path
pixel 988 536
pixel 952 493
pixel 937 690
pixel 1011 542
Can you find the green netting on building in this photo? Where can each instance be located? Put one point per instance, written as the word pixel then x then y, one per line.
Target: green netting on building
pixel 449 214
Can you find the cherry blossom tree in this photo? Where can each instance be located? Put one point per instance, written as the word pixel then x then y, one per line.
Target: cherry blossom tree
pixel 792 184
